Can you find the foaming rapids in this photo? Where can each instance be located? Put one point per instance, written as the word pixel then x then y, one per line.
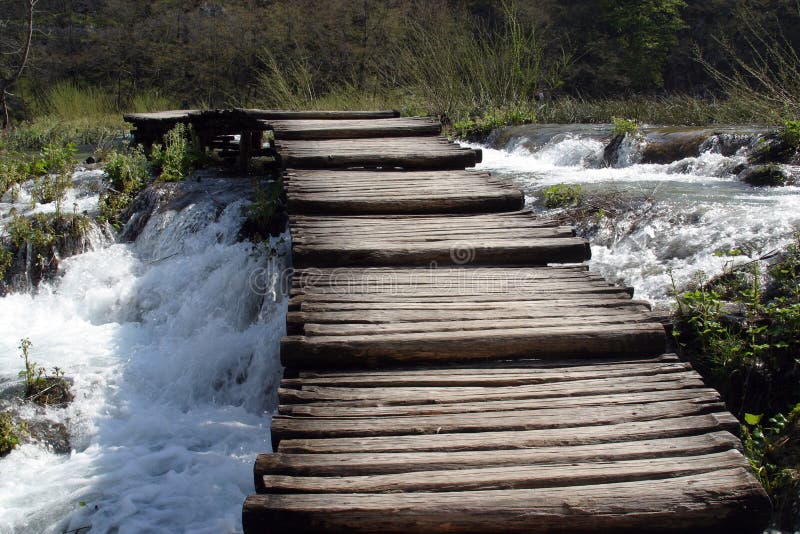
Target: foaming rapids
pixel 679 218
pixel 172 343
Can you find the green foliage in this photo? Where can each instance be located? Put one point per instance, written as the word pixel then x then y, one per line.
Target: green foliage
pixel 127 174
pixel 645 32
pixel 42 387
pixel 562 195
pixel 624 126
pixel 791 133
pixel 750 356
pixel 264 214
pixel 10 432
pixel 29 372
pixel 773 450
pixel 762 72
pixel 6 258
pixel 37 238
pixel 478 128
pixel 150 101
pixel 37 231
pixel 51 129
pixel 468 68
pixel 13 170
pixel 68 101
pixel 175 159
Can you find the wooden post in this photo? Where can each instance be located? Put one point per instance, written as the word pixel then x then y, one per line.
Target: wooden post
pixel 245 149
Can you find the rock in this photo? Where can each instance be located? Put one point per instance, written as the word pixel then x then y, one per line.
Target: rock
pixel 51 434
pixel 772 148
pixel 89 160
pixel 135 217
pixel 611 151
pixel 666 147
pixel 765 175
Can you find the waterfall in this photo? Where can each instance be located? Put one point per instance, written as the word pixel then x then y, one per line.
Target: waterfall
pixel 172 344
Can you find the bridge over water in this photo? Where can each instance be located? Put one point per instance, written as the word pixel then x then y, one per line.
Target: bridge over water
pixel 451 366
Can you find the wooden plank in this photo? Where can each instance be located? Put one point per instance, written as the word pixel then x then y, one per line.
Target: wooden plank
pixel 535 371
pixel 683 424
pixel 348 464
pixel 282 114
pixel 344 329
pixel 718 501
pixel 354 129
pixel 534 251
pixel 400 152
pixel 545 301
pixel 670 392
pixel 622 340
pixel 511 477
pixel 435 397
pixel 452 202
pixel 286 427
pixel 296 320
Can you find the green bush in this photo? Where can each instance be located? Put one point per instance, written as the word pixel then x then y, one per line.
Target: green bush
pixel 624 126
pixel 127 174
pixel 562 195
pixel 773 450
pixel 175 159
pixel 478 128
pixel 791 133
pixel 742 332
pixel 10 432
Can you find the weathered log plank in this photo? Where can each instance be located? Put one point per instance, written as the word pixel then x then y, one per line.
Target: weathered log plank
pixel 348 464
pixel 392 152
pixel 282 114
pixel 293 400
pixel 623 340
pixel 287 427
pixel 691 390
pixel 683 424
pixel 511 477
pixel 718 501
pixel 354 128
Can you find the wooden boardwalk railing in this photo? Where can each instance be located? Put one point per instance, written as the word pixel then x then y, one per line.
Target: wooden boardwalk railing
pixel 442 376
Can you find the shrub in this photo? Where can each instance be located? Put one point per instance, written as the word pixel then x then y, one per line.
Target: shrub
pixel 127 174
pixel 478 128
pixel 773 450
pixel 747 348
pixel 10 432
pixel 624 126
pixel 791 133
pixel 267 214
pixel 175 159
pixel 562 195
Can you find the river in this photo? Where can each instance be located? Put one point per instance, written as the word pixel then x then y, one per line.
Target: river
pixel 172 341
pixel 686 215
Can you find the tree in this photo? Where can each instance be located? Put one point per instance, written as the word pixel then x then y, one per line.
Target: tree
pixel 15 52
pixel 645 32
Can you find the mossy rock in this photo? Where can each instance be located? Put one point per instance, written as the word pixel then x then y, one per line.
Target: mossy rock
pixel 772 148
pixel 765 175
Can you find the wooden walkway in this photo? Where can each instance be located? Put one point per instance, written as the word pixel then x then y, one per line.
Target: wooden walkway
pixel 444 376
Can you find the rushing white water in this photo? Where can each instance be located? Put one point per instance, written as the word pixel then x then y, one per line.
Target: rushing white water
pixel 172 347
pixel 697 210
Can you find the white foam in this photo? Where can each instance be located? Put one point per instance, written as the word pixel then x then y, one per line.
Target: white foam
pixel 700 209
pixel 173 358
